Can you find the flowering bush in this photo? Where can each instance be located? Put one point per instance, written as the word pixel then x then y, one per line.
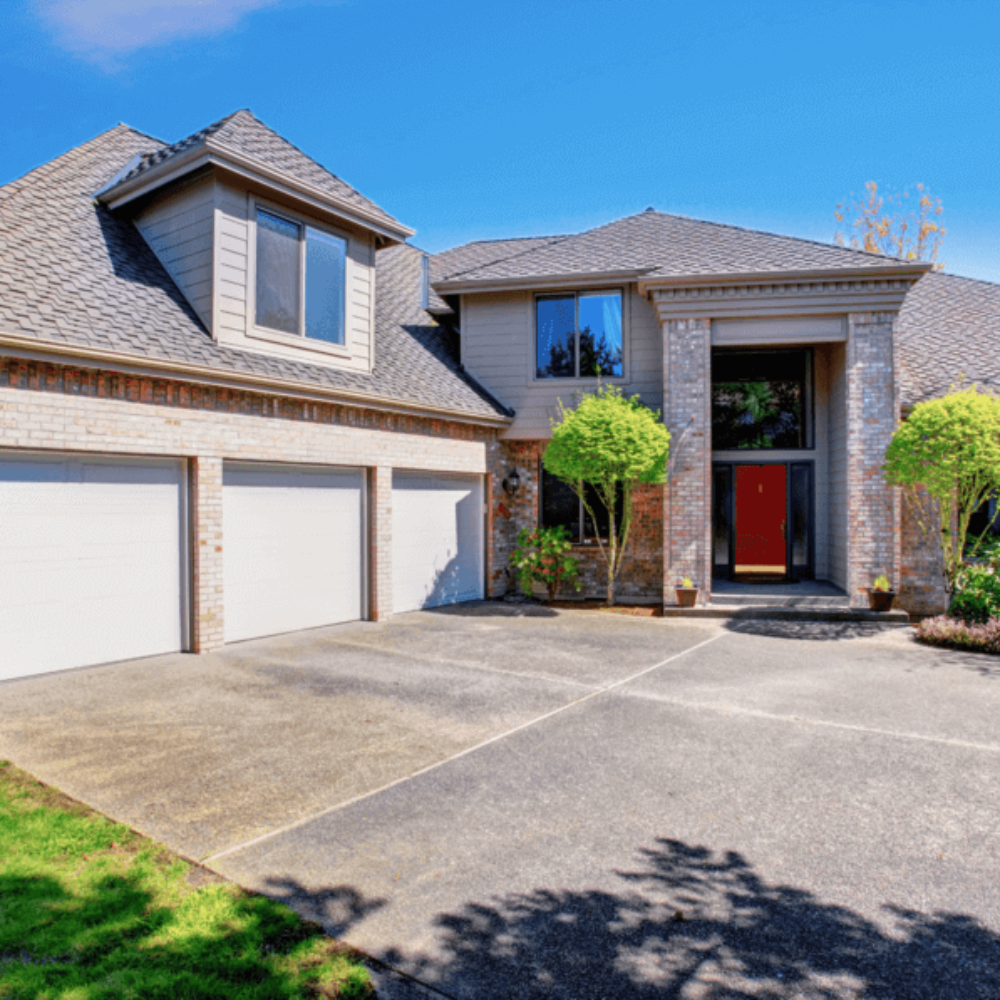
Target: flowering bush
pixel 957 634
pixel 977 594
pixel 542 556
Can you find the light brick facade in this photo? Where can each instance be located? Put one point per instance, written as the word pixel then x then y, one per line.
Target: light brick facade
pixel 687 412
pixel 53 408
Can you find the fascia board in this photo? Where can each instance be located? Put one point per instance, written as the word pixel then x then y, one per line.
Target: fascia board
pixel 912 271
pixel 542 282
pixel 28 348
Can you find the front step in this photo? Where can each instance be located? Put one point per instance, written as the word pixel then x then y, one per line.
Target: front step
pixel 788 612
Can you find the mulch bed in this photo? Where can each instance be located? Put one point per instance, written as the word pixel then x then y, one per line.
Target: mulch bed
pixel 631 610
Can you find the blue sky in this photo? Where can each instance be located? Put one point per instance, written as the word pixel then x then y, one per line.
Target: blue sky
pixel 475 120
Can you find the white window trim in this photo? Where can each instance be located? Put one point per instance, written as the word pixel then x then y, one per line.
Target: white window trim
pixel 299 341
pixel 578 381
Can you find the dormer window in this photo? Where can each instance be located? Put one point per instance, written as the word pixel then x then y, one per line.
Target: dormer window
pixel 300 279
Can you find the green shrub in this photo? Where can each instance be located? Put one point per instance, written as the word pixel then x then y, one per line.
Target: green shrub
pixel 977 594
pixel 542 556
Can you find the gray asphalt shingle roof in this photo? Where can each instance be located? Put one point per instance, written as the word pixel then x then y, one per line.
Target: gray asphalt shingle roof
pixel 246 134
pixel 73 273
pixel 949 330
pixel 661 245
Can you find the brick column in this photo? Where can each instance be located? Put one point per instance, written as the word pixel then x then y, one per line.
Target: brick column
pixel 687 498
pixel 206 571
pixel 380 536
pixel 873 507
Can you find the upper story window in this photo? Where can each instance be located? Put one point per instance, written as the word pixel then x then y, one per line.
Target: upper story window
pixel 300 282
pixel 578 335
pixel 761 399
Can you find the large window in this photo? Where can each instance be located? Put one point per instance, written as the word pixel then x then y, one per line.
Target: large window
pixel 761 399
pixel 578 335
pixel 300 287
pixel 561 506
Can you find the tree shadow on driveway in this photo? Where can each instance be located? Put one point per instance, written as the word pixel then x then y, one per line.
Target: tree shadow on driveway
pixel 689 923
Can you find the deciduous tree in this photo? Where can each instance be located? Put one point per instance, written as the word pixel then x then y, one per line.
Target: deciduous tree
pixel 613 443
pixel 892 224
pixel 946 457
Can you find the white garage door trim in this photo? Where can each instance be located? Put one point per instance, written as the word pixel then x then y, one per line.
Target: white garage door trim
pixel 438 539
pixel 95 555
pixel 294 542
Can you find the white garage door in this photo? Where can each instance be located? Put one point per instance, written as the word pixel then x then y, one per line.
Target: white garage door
pixel 292 548
pixel 437 540
pixel 93 562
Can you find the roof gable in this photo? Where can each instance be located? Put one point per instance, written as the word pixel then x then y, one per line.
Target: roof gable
pixel 250 141
pixel 657 245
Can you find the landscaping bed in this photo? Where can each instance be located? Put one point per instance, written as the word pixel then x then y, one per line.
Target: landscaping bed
pixel 954 633
pixel 90 909
pixel 624 608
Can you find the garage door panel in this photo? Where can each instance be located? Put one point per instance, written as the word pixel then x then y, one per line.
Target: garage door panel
pixel 94 561
pixel 293 549
pixel 437 540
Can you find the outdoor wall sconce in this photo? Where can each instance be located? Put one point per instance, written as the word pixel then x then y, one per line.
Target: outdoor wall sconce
pixel 511 483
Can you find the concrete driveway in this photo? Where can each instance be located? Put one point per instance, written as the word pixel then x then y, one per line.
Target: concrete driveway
pixel 505 802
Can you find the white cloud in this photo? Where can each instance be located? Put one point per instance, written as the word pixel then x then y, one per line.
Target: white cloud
pixel 102 29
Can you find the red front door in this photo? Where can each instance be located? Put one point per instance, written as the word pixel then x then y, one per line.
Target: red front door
pixel 761 512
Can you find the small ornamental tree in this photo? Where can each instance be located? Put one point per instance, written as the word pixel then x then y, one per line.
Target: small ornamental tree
pixel 611 443
pixel 949 451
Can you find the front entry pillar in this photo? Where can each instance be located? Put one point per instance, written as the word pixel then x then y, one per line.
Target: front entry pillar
pixel 872 401
pixel 687 413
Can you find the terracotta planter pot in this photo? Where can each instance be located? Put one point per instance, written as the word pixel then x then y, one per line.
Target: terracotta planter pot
pixel 881 600
pixel 687 596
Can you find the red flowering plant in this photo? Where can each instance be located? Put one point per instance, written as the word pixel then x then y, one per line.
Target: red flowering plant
pixel 542 556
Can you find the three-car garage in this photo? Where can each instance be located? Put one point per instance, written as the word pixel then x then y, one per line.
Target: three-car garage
pixel 96 567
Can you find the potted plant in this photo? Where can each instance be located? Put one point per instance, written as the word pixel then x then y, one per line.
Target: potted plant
pixel 542 557
pixel 881 595
pixel 687 593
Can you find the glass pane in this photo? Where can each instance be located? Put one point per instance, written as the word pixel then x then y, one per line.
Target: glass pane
pixel 720 517
pixel 326 258
pixel 799 515
pixel 560 506
pixel 600 334
pixel 758 400
pixel 555 347
pixel 277 273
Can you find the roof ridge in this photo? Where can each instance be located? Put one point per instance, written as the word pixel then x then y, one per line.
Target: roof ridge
pixel 56 164
pixel 758 232
pixel 513 256
pixel 965 277
pixel 288 142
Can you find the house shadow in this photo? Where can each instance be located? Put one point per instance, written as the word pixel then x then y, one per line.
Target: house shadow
pixel 688 922
pixel 813 631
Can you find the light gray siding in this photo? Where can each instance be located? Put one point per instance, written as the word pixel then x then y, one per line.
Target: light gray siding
pixel 837 490
pixel 179 229
pixel 498 349
pixel 234 248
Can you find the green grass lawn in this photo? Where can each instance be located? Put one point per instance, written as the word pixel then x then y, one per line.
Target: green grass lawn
pixel 89 909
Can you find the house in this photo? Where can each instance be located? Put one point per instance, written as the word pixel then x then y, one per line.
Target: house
pixel 235 401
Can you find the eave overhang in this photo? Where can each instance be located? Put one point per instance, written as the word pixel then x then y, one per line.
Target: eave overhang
pixel 13 344
pixel 542 282
pixel 212 153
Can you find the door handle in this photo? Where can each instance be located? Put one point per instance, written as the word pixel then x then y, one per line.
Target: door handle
pixel 783 538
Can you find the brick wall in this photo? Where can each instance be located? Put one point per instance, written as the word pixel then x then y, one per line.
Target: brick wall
pixel 641 575
pixel 921 579
pixel 872 418
pixel 59 408
pixel 687 412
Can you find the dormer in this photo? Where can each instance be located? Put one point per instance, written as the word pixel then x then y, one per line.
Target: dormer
pixel 273 252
